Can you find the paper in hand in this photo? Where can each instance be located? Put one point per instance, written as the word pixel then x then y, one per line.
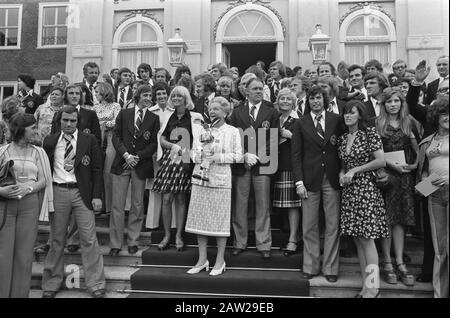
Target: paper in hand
pixel 398 157
pixel 425 187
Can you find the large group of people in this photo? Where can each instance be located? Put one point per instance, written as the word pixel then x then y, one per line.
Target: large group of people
pixel 212 151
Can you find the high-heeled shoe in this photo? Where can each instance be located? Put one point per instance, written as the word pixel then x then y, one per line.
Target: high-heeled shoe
pixel 405 276
pixel 387 272
pixel 196 270
pixel 164 244
pixel 215 272
pixel 179 244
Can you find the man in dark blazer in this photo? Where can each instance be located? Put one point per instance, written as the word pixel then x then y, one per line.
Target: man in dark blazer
pixel 330 85
pixel 30 100
pixel 208 84
pixel 257 119
pixel 442 68
pixel 375 83
pixel 135 141
pixel 76 163
pixel 316 167
pixel 122 90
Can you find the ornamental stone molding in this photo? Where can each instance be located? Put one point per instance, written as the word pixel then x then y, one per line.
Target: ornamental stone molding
pixel 362 6
pixel 144 13
pixel 263 3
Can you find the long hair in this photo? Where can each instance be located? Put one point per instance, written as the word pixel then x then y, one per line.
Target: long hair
pixel 403 116
pixel 183 91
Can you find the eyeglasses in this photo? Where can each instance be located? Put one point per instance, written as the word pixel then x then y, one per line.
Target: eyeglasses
pixel 399 67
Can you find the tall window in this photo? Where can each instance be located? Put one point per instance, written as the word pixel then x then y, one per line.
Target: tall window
pixel 138 40
pixel 7 89
pixel 10 26
pixel 52 25
pixel 368 34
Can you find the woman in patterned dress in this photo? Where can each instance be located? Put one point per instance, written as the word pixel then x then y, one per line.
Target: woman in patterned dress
pixel 107 111
pixel 285 196
pixel 173 179
pixel 363 215
pixel 396 130
pixel 216 146
pixel 45 112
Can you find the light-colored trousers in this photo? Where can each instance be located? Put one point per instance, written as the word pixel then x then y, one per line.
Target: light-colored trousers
pixel 239 218
pixel 16 245
pixel 136 215
pixel 438 211
pixel 311 234
pixel 67 201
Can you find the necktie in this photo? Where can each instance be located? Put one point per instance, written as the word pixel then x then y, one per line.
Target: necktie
pixel 319 128
pixel 252 115
pixel 91 88
pixel 299 106
pixel 138 123
pixel 330 107
pixel 205 110
pixel 122 97
pixel 276 88
pixel 69 153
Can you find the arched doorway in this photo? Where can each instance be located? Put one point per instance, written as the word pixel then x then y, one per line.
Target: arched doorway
pixel 247 33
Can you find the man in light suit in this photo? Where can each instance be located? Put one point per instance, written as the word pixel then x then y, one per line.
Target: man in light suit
pixel 135 141
pixel 256 115
pixel 76 163
pixel 316 166
pixel 442 68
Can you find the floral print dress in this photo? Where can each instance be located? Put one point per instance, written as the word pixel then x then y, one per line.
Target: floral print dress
pixel 362 206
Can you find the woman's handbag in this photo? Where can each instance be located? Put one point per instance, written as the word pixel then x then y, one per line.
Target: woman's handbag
pixel 383 179
pixel 7 178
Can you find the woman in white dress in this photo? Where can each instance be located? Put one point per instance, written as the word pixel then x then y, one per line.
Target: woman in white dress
pixel 215 148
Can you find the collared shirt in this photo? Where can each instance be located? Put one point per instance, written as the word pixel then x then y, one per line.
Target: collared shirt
pixel 322 120
pixel 301 103
pixel 29 93
pixel 125 94
pixel 334 106
pixel 136 113
pixel 60 175
pixel 258 106
pixel 441 79
pixel 163 114
pixel 94 85
pixel 376 105
pixel 174 123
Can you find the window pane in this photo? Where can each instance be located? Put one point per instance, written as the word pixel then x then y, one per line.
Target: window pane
pixel 48 36
pixel 354 54
pixel 62 15
pixel 49 16
pixel 2 17
pixel 130 34
pixel 12 37
pixel 7 91
pixel 13 17
pixel 376 26
pixel 62 36
pixel 264 28
pixel 2 38
pixel 148 34
pixel 356 27
pixel 380 51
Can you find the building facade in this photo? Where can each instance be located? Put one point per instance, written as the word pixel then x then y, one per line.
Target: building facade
pixel 117 33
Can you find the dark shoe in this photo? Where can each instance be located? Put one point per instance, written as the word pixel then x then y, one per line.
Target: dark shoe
pixel 48 294
pixel 388 274
pixel 308 276
pixel 265 254
pixel 42 249
pixel 331 278
pixel 73 248
pixel 99 293
pixel 114 251
pixel 237 251
pixel 132 249
pixel 424 278
pixel 404 275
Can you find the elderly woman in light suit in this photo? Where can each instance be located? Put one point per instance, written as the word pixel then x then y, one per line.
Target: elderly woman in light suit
pixel 215 148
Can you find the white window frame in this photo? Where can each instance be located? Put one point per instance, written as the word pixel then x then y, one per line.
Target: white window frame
pixel 40 83
pixel 7 83
pixel 42 6
pixel 390 38
pixel 19 30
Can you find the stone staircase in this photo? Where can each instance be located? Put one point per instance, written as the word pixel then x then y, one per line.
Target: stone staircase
pixel 159 274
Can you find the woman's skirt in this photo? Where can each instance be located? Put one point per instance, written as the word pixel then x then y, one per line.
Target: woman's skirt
pixel 209 211
pixel 285 195
pixel 171 177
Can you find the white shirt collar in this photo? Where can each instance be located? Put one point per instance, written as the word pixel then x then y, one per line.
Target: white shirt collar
pixel 75 135
pixel 136 110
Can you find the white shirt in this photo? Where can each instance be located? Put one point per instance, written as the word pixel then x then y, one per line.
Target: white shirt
pixel 250 105
pixel 322 120
pixel 125 94
pixel 60 175
pixel 441 79
pixel 334 108
pixel 376 105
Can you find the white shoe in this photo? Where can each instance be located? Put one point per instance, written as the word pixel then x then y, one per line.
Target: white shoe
pixel 196 270
pixel 220 271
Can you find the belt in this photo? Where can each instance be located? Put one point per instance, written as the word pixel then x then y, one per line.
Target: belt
pixel 66 185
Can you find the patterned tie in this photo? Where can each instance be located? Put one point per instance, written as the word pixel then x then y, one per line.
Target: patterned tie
pixel 276 88
pixel 319 128
pixel 205 110
pixel 69 154
pixel 330 107
pixel 122 97
pixel 138 123
pixel 252 115
pixel 299 107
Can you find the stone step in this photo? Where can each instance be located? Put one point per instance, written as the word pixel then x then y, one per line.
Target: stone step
pixel 76 293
